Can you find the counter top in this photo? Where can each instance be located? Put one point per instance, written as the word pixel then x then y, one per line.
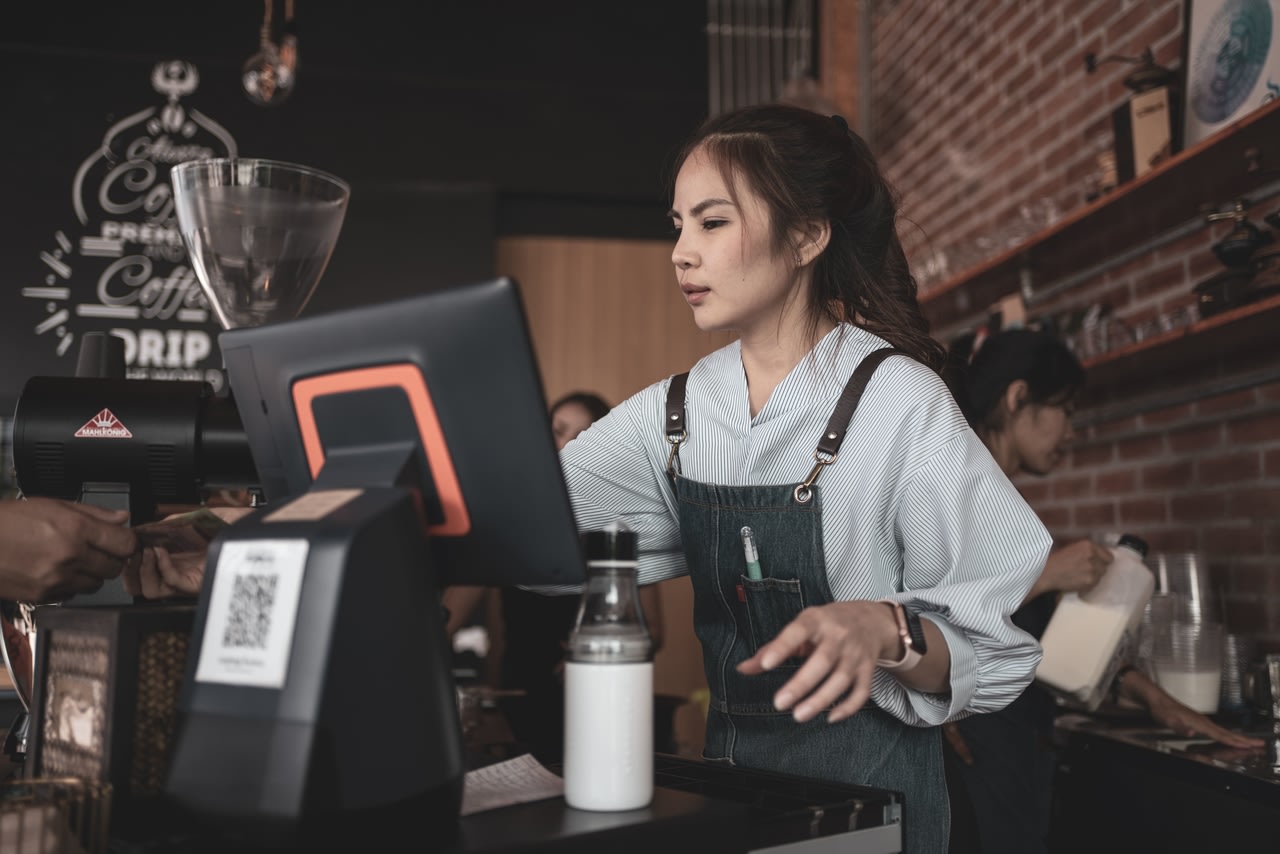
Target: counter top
pixel 1124 784
pixel 1244 772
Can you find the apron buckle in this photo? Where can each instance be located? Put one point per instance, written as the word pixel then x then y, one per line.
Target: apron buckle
pixel 804 492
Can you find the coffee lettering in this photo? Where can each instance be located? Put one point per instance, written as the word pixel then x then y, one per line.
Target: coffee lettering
pixel 167 348
pixel 126 263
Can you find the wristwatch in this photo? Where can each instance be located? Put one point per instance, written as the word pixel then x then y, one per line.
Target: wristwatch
pixel 912 634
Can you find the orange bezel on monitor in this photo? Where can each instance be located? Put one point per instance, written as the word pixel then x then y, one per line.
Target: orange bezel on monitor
pixel 407 378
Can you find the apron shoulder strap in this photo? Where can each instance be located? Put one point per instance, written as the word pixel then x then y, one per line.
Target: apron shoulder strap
pixel 832 436
pixel 674 422
pixel 838 424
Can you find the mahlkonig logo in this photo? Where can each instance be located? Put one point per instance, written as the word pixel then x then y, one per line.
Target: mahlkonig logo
pixel 104 425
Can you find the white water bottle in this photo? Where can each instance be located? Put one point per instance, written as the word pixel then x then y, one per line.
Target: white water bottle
pixel 608 683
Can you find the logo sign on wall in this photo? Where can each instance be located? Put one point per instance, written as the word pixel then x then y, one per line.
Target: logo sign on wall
pixel 1232 58
pixel 121 266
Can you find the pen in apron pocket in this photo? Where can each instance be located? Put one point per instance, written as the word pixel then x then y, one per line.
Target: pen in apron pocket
pixel 753 557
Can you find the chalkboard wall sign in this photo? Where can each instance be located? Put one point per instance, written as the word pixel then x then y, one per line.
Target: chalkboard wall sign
pixel 100 248
pixel 450 129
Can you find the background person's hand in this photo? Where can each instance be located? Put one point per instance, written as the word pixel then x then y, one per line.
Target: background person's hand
pixel 174 551
pixel 51 549
pixel 952 733
pixel 1072 568
pixel 156 574
pixel 1173 715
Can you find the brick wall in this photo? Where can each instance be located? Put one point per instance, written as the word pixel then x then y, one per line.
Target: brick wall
pixel 983 109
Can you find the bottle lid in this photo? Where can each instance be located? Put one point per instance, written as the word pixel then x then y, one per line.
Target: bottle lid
pixel 616 542
pixel 1134 542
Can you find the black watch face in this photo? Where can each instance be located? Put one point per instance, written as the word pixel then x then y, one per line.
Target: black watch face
pixel 915 630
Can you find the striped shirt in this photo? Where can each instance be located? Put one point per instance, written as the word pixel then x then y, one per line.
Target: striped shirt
pixel 914 507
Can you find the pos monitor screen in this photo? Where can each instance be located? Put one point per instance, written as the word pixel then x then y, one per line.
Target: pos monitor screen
pixel 451 373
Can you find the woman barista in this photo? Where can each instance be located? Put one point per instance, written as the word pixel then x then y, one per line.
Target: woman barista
pixel 891 547
pixel 1017 391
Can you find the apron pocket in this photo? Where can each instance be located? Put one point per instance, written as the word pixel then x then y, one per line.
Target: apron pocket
pixel 771 604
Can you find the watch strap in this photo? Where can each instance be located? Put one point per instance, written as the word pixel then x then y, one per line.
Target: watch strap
pixel 911 656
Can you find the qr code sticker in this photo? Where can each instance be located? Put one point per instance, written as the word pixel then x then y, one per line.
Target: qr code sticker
pixel 253 609
pixel 249 613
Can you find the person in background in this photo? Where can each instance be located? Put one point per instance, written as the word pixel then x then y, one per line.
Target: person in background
pixel 51 550
pixel 890 561
pixel 1018 391
pixel 536 627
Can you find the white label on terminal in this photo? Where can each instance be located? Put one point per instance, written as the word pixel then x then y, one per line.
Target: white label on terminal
pixel 313 505
pixel 252 610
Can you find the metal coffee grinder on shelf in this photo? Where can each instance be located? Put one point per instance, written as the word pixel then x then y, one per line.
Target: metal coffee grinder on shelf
pixel 1248 274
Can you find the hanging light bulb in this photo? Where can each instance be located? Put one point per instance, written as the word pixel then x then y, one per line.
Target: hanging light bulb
pixel 268 76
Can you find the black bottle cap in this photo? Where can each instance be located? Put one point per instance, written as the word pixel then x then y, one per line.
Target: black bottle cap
pixel 1136 543
pixel 609 544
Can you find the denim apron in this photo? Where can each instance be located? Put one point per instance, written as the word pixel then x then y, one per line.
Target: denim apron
pixel 734 615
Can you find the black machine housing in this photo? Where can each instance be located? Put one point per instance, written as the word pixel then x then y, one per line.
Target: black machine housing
pixel 127 444
pixel 157 441
pixel 364 733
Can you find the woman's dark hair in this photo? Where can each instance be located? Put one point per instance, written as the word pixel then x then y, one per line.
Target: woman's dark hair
pixel 593 403
pixel 806 166
pixel 1051 371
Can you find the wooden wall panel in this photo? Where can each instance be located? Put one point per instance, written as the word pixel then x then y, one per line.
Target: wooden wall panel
pixel 606 316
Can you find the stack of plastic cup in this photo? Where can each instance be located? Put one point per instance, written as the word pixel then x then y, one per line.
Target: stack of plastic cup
pixel 1237 651
pixel 1162 611
pixel 1186 573
pixel 1188 664
pixel 1186 650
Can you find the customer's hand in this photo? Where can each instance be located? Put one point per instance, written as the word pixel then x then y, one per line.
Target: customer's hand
pixel 51 549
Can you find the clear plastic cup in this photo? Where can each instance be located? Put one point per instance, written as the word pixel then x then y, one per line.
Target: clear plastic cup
pixel 1187 659
pixel 1186 573
pixel 1162 610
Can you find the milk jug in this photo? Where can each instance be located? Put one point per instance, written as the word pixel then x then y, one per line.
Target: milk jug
pixel 1091 634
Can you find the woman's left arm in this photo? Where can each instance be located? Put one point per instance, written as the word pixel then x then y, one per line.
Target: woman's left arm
pixel 971 549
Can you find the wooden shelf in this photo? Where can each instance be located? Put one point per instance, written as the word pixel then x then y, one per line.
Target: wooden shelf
pixel 1213 172
pixel 1196 351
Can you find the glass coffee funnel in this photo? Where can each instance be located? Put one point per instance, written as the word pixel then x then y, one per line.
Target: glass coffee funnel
pixel 259 233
